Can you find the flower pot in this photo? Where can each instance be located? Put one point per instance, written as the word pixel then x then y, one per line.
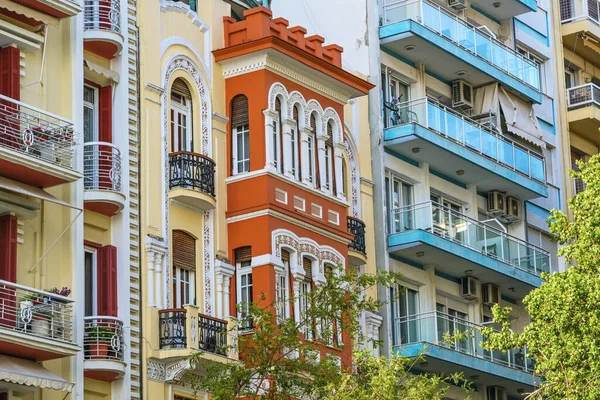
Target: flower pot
pixel 40 326
pixel 98 350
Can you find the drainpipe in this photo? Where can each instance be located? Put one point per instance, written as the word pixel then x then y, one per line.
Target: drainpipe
pixel 43 60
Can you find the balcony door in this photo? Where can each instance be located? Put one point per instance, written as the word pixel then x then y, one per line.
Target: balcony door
pixel 184 269
pixel 181 118
pixel 447 219
pixel 393 92
pixel 404 314
pixel 399 197
pixel 91 282
pixel 453 322
pixel 91 133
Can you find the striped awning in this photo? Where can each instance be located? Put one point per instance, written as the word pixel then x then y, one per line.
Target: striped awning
pixel 28 373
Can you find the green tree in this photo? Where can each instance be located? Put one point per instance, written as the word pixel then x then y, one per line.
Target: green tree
pixel 280 360
pixel 564 335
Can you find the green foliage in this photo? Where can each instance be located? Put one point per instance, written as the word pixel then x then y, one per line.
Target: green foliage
pixel 279 354
pixel 564 335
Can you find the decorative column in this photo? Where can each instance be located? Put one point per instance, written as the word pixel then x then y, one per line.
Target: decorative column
pixel 288 149
pixel 338 156
pixel 372 324
pixel 224 272
pixel 270 118
pixel 156 253
pixel 303 136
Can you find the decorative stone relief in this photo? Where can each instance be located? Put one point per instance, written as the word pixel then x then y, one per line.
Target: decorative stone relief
pixel 156 370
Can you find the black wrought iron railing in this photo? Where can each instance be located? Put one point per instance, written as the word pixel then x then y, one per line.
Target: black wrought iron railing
pixel 192 171
pixel 357 228
pixel 172 328
pixel 212 336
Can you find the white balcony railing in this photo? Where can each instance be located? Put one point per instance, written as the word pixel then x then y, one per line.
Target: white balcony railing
pixel 103 338
pixel 470 134
pixel 35 313
pixel 36 133
pixel 468 232
pixel 465 337
pixel 584 95
pixel 469 37
pixel 577 10
pixel 101 166
pixel 103 15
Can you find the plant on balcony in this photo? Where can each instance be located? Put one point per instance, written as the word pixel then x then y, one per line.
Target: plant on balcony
pixel 564 335
pixel 283 358
pixel 98 340
pixel 64 292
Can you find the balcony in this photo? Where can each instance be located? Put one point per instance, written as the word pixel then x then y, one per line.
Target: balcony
pixel 102 27
pixel 55 8
pixel 102 178
pixel 103 348
pixel 35 324
pixel 426 131
pixel 192 180
pixel 36 147
pixel 580 19
pixel 357 249
pixel 423 32
pixel 583 103
pixel 425 332
pixel 429 233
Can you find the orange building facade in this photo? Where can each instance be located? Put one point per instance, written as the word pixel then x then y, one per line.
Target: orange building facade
pixel 289 189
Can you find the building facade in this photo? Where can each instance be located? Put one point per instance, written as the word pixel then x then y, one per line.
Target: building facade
pixel 467 161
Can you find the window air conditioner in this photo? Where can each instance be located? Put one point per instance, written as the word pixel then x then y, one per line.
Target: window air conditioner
pixel 490 294
pixel 457 4
pixel 468 286
pixel 462 95
pixel 513 207
pixel 496 203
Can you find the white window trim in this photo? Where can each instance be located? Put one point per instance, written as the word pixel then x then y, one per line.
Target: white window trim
pixel 295 139
pixel 237 131
pixel 186 110
pixel 94 252
pixel 311 154
pixel 177 296
pixel 94 107
pixel 242 270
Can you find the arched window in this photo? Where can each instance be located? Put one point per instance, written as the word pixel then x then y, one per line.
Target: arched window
pixel 240 135
pixel 304 297
pixel 184 269
pixel 313 164
pixel 281 288
pixel 295 144
pixel 344 178
pixel 181 117
pixel 277 142
pixel 329 161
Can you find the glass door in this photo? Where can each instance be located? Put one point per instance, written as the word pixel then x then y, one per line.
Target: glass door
pixel 405 310
pixel 402 217
pixel 181 123
pixel 394 92
pixel 90 135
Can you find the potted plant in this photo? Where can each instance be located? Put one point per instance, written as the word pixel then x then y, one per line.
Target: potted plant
pixel 98 339
pixel 64 292
pixel 41 323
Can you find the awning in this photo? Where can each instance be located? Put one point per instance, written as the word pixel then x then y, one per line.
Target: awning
pixel 486 101
pixel 107 73
pixel 29 373
pixel 520 118
pixel 28 190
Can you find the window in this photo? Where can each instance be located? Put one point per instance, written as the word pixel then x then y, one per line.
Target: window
pixel 240 139
pixel 447 217
pixel 184 269
pixel 243 262
pixel 90 114
pixel 329 160
pixel 297 145
pixel 181 117
pixel 399 195
pixel 544 241
pixel 569 77
pixel 313 158
pixel 91 283
pixel 452 321
pixel 277 142
pixel 404 314
pixel 344 178
pixel 576 155
pixel 281 288
pixel 529 74
pixel 304 297
pixel 393 92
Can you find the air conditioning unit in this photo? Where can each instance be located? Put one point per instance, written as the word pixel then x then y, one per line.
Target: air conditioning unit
pixel 496 393
pixel 490 294
pixel 496 203
pixel 457 4
pixel 513 207
pixel 462 95
pixel 468 287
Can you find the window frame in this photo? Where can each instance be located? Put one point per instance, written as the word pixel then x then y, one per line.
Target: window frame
pixel 94 299
pixel 95 111
pixel 177 285
pixel 245 134
pixel 244 268
pixel 177 108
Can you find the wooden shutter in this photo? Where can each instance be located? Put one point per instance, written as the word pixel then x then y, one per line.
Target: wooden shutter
pixel 105 117
pixel 285 256
pixel 243 254
pixel 239 111
pixel 10 72
pixel 307 264
pixel 8 248
pixel 179 86
pixel 184 250
pixel 107 281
